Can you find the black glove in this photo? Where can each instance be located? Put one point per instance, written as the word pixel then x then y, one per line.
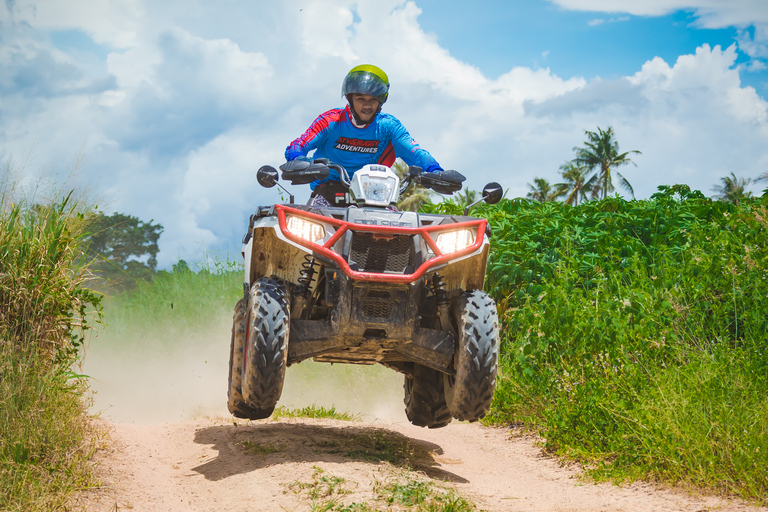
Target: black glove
pixel 443 182
pixel 301 172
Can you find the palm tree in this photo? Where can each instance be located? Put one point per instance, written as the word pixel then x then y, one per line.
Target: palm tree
pixel 574 185
pixel 413 199
pixel 601 151
pixel 414 196
pixel 763 177
pixel 542 191
pixel 733 189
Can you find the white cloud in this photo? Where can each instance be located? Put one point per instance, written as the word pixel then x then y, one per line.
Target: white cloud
pixel 178 121
pixel 110 22
pixel 332 39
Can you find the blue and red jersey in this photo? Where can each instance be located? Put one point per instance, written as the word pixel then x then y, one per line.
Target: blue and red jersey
pixel 333 136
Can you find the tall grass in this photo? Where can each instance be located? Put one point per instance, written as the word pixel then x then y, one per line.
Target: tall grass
pixel 635 335
pixel 45 436
pixel 173 306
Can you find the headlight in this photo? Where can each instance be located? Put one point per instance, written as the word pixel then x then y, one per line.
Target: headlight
pixel 377 190
pixel 451 241
pixel 375 185
pixel 306 229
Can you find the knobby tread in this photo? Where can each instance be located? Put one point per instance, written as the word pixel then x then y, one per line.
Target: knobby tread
pixel 424 398
pixel 469 393
pixel 235 401
pixel 265 362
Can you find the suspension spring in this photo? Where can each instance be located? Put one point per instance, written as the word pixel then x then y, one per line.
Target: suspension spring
pixel 443 310
pixel 307 273
pixel 438 290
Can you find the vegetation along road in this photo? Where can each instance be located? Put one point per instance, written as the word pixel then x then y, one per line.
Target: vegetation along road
pixel 633 347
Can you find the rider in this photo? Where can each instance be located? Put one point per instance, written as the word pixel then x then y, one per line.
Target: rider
pixel 358 134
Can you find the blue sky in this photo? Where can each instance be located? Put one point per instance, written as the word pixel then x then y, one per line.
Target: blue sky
pixel 497 35
pixel 166 109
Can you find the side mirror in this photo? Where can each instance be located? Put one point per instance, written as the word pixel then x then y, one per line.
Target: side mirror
pixel 267 176
pixel 492 193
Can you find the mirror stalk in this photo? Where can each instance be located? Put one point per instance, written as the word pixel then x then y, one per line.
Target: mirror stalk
pixel 466 210
pixel 290 196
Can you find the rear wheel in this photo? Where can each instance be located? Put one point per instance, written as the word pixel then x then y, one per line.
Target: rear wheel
pixel 424 398
pixel 468 394
pixel 235 401
pixel 266 349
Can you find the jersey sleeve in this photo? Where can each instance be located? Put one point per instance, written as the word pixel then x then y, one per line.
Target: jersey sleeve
pixel 315 134
pixel 409 150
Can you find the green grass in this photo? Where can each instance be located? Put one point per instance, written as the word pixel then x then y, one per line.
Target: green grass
pixel 403 491
pixel 421 495
pixel 46 438
pixel 314 412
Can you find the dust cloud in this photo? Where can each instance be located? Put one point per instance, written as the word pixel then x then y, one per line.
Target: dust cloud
pixel 135 379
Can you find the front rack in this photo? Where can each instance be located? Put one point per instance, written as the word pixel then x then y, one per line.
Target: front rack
pixel 343 227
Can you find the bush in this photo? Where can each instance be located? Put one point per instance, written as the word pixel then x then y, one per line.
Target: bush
pixel 634 334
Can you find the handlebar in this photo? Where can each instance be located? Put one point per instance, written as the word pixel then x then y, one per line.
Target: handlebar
pixel 302 171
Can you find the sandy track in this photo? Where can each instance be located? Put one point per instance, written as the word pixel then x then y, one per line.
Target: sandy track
pixel 158 459
pixel 209 465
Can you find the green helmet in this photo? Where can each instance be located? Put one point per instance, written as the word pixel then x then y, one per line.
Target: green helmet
pixel 366 79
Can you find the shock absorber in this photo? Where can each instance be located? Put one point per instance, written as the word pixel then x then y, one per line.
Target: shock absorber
pixel 443 310
pixel 306 274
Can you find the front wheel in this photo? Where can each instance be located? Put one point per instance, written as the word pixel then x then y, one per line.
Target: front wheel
pixel 235 401
pixel 266 354
pixel 468 394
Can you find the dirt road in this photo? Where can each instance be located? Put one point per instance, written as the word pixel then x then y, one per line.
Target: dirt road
pixel 215 465
pixel 159 458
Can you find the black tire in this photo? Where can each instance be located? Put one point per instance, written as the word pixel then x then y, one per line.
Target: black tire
pixel 468 394
pixel 235 401
pixel 266 355
pixel 425 399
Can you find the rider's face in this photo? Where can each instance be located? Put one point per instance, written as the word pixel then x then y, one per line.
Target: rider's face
pixel 365 106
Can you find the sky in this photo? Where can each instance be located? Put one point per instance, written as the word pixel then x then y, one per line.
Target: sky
pixel 167 109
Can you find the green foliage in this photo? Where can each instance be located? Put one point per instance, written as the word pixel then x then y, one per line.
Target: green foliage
pixel 117 244
pixel 45 438
pixel 465 197
pixel 634 334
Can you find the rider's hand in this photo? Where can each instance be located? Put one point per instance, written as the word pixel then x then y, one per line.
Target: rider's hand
pixel 293 154
pixel 433 168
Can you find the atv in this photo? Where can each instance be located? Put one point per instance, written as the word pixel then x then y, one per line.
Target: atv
pixel 360 282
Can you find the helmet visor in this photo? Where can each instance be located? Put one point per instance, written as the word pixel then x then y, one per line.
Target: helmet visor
pixel 365 83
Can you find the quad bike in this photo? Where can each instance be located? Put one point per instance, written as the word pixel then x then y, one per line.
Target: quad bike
pixel 360 282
